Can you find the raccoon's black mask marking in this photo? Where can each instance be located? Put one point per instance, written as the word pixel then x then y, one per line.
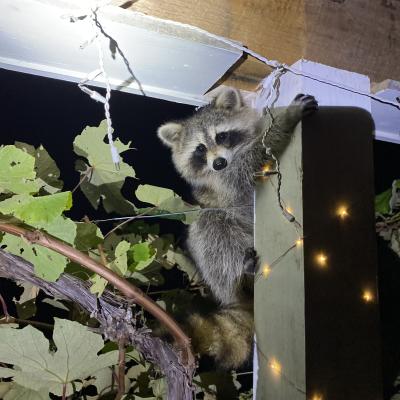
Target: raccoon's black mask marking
pixel 199 157
pixel 229 139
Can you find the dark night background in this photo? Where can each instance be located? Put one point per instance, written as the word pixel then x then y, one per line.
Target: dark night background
pixel 38 111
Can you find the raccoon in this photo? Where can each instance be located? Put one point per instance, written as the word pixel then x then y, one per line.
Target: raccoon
pixel 217 151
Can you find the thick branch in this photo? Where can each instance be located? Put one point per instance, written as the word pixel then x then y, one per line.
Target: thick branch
pixel 129 290
pixel 116 322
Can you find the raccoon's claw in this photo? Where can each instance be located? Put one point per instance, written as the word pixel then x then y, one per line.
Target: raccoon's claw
pixel 306 103
pixel 250 261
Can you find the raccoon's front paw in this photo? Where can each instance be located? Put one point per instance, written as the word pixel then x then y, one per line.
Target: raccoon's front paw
pixel 250 261
pixel 305 104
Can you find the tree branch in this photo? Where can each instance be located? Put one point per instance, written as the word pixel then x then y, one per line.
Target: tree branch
pixel 185 356
pixel 115 317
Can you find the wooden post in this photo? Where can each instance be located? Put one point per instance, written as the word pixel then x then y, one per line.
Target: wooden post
pixel 316 318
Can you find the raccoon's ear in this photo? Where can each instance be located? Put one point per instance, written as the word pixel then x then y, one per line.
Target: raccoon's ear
pixel 170 133
pixel 229 98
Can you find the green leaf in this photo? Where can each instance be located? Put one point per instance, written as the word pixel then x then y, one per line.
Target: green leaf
pixel 153 194
pixel 88 236
pixel 159 388
pixel 26 304
pixel 61 228
pixel 184 264
pixel 17 174
pixel 382 202
pixel 39 369
pixel 18 392
pixel 37 211
pixel 46 169
pixel 103 180
pixel 167 201
pixel 143 255
pixel 48 264
pixel 55 303
pixel 119 265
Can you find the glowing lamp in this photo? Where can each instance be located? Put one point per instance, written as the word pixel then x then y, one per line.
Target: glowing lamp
pixel 275 367
pixel 299 242
pixel 266 168
pixel 321 259
pixel 368 296
pixel 342 212
pixel 317 397
pixel 266 271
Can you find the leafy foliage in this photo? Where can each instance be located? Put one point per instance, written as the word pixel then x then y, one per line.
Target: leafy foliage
pixel 102 182
pixel 31 194
pixel 17 174
pixel 37 368
pixel 387 208
pixel 166 201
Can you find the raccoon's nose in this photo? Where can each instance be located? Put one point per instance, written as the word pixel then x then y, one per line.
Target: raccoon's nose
pixel 219 163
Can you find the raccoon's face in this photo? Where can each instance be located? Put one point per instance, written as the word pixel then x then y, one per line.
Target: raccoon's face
pixel 207 143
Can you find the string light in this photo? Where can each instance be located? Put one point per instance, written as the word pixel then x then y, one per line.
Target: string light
pixel 276 368
pixel 321 259
pixel 342 212
pixel 266 168
pixel 299 242
pixel 289 210
pixel 317 397
pixel 266 270
pixel 368 296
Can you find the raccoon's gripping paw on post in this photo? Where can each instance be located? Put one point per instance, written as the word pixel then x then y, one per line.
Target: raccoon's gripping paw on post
pixel 303 105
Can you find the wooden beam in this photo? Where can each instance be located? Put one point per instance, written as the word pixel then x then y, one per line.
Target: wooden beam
pixel 358 35
pixel 317 322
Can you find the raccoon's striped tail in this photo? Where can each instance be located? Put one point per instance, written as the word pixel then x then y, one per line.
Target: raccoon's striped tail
pixel 226 335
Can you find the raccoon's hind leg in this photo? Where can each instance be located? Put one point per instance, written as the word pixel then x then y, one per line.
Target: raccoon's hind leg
pixel 250 261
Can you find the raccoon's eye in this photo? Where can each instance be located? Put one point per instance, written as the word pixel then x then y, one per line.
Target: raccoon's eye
pixel 200 149
pixel 221 137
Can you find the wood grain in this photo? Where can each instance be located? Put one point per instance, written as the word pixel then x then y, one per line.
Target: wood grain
pixel 358 35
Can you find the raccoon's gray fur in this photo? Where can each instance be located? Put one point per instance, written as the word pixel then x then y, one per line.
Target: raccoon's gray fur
pixel 217 151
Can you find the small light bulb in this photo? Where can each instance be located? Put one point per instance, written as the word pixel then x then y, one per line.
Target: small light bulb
pixel 368 296
pixel 322 259
pixel 266 271
pixel 266 168
pixel 275 367
pixel 317 397
pixel 289 210
pixel 299 242
pixel 342 212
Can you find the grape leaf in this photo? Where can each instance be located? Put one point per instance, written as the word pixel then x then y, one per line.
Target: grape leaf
pixel 143 256
pixel 18 392
pixel 382 202
pixel 39 369
pixel 17 174
pixel 184 264
pixel 167 201
pixel 62 228
pixel 88 236
pixel 47 172
pixel 55 303
pixel 119 265
pixel 37 211
pixel 47 263
pixel 103 181
pixel 5 387
pixel 26 304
